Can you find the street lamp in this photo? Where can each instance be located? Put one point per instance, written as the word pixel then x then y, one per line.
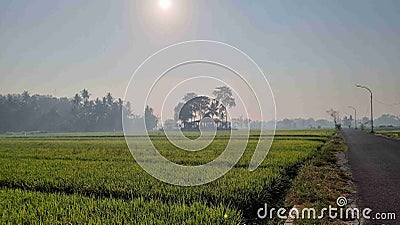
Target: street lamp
pixel 355 116
pixel 372 118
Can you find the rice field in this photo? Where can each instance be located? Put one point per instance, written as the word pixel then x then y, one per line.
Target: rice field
pixel 393 133
pixel 93 178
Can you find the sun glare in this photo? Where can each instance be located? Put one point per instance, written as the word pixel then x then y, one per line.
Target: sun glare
pixel 165 4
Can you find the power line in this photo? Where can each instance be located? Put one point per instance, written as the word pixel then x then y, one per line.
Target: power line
pixel 383 103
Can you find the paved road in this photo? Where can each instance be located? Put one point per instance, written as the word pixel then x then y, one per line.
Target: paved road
pixel 375 164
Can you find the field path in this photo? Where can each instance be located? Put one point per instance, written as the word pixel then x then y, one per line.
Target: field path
pixel 375 164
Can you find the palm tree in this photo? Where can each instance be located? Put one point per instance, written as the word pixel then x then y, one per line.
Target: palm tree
pixel 213 110
pixel 77 100
pixel 223 115
pixel 109 99
pixel 85 96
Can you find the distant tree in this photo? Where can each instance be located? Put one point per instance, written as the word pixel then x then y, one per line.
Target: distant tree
pixel 286 124
pixel 109 99
pixel 224 94
pixel 241 121
pixel 189 96
pixel 25 97
pixel 150 119
pixel 335 116
pixel 214 111
pixel 310 123
pixel 170 125
pixel 177 111
pixel 98 113
pixel 362 126
pixel 23 112
pixel 128 108
pixel 85 96
pixel 365 121
pixel 194 109
pixel 190 108
pixel 223 113
pixel 387 120
pixel 77 100
pixel 186 112
pixel 323 123
pixel 200 107
pixel 347 121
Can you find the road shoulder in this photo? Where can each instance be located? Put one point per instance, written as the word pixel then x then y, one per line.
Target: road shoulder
pixel 321 181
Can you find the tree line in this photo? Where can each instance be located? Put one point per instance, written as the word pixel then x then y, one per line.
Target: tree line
pixel 193 108
pixel 26 112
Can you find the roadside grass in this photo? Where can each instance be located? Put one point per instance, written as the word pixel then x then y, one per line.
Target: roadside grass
pixel 320 182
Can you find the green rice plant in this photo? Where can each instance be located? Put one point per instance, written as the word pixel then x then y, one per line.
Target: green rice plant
pixel 97 169
pixel 25 207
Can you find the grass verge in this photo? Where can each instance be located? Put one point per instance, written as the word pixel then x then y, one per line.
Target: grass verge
pixel 320 182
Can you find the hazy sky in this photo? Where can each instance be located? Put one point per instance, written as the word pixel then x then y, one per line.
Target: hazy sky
pixel 313 52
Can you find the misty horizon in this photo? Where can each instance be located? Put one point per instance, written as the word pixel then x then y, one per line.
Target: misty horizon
pixel 326 116
pixel 57 115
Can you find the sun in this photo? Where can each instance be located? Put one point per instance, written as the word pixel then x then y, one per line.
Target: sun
pixel 164 4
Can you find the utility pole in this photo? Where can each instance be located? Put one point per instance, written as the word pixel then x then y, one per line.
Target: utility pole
pixel 355 116
pixel 372 117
